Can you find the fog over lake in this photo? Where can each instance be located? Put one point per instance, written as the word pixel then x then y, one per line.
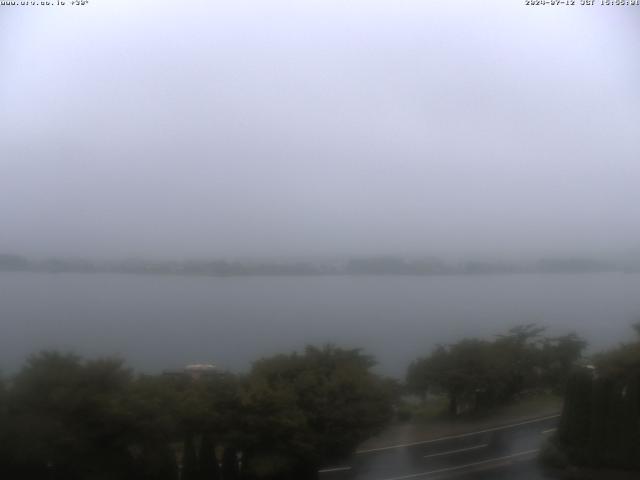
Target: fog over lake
pixel 279 130
pixel 163 322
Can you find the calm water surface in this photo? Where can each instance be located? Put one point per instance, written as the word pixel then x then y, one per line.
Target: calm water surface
pixel 158 322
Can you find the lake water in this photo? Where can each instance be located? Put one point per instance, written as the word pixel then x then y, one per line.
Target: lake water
pixel 160 322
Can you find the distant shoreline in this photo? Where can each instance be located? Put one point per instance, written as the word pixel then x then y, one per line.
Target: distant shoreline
pixel 367 266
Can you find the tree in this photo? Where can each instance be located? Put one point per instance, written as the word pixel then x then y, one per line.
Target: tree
pixel 272 431
pixel 418 378
pixel 189 459
pixel 600 423
pixel 559 355
pixel 477 374
pixel 208 468
pixel 68 418
pixel 332 400
pixel 63 417
pixel 462 371
pixel 230 469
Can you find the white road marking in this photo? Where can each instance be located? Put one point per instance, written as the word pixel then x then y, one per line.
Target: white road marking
pixel 545 432
pixel 460 467
pixel 453 437
pixel 334 469
pixel 450 452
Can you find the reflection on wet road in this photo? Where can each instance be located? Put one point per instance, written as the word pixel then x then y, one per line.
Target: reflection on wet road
pixel 495 453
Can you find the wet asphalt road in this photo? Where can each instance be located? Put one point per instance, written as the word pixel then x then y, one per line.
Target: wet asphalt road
pixel 504 452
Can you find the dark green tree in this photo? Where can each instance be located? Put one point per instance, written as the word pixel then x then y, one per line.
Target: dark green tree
pixel 230 469
pixel 327 397
pixel 558 356
pixel 600 423
pixel 189 459
pixel 477 374
pixel 208 468
pixel 69 418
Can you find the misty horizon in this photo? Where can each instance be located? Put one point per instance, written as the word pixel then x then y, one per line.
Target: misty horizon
pixel 452 258
pixel 281 130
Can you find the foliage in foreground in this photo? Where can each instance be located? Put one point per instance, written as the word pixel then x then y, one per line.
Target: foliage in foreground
pixel 600 423
pixel 477 374
pixel 62 417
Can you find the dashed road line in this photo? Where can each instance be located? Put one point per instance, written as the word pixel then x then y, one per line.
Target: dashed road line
pixel 461 467
pixel 454 437
pixel 451 452
pixel 334 469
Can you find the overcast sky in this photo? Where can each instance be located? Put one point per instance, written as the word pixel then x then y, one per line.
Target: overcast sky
pixel 204 129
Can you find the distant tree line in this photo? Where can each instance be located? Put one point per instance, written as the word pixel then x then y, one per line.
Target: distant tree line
pixel 221 268
pixel 382 265
pixel 478 374
pixel 65 418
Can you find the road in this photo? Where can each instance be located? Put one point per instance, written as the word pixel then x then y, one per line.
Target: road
pixel 501 452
